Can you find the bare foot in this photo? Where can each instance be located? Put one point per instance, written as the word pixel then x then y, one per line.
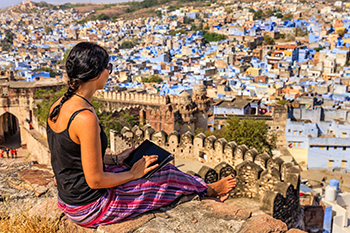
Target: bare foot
pixel 222 186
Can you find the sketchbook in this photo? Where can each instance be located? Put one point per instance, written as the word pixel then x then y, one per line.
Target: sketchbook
pixel 149 148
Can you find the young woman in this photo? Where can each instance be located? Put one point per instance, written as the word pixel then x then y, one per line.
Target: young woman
pixel 91 193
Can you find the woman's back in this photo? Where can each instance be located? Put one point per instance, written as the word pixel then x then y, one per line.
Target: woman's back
pixel 66 157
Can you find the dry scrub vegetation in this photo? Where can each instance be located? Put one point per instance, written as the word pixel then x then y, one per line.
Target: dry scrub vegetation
pixel 23 223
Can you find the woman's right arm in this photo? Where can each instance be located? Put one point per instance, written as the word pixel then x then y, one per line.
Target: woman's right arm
pixel 87 130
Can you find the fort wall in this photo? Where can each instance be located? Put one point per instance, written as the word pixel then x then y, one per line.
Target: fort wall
pixel 37 146
pixel 272 181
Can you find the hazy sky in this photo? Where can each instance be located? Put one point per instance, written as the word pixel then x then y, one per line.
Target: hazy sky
pixel 5 3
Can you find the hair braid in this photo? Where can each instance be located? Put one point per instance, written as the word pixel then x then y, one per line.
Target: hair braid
pixel 73 85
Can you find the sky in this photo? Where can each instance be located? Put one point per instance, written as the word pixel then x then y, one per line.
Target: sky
pixel 6 3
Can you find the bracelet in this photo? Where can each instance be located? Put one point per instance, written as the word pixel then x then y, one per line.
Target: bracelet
pixel 115 160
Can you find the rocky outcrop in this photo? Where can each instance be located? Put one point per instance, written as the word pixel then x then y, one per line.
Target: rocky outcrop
pixel 20 182
pixel 24 184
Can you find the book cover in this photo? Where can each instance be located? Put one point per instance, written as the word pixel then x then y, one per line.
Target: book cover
pixel 149 148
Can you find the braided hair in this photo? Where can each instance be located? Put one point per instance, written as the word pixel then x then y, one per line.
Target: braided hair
pixel 85 62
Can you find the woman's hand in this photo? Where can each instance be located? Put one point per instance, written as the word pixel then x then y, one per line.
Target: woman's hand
pixel 141 168
pixel 122 156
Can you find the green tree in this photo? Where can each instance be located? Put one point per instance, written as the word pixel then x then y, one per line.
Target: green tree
pixel 319 49
pixel 5 46
pixel 253 133
pixel 279 15
pixel 52 72
pixel 188 21
pixel 282 102
pixel 43 4
pixel 48 30
pixel 301 31
pixel 159 14
pixel 287 17
pixel 258 14
pixel 280 36
pixel 268 40
pixel 152 79
pixel 210 37
pixel 228 10
pixel 9 37
pixel 103 16
pixel 174 32
pixel 43 99
pixel 65 55
pixel 269 13
pixel 127 45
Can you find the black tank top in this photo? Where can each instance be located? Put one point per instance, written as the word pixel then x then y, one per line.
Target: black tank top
pixel 66 164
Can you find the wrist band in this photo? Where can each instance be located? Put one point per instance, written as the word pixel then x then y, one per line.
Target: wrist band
pixel 115 160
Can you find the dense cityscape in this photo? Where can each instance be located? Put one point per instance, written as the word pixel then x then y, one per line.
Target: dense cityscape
pixel 194 68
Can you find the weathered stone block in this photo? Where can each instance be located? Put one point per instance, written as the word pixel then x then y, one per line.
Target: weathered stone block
pixel 263 224
pixel 127 226
pixel 47 209
pixel 226 211
pixel 208 174
pixel 224 169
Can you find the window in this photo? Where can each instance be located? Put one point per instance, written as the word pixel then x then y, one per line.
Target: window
pixel 343 134
pixel 298 144
pixel 330 163
pixel 327 147
pixel 288 130
pixel 311 146
pixel 343 164
pixel 294 132
pixel 335 148
pixel 300 132
pixel 294 144
pixel 321 147
pixel 344 147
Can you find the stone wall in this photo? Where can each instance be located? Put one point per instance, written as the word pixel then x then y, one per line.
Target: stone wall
pixel 37 146
pixel 180 113
pixel 272 181
pixel 136 97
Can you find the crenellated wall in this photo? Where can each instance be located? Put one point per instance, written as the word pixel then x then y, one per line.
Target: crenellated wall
pixel 136 98
pixel 170 113
pixel 272 181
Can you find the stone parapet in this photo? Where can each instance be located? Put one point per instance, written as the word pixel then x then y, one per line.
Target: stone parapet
pixel 272 181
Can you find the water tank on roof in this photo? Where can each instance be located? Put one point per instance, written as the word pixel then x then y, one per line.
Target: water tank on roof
pixel 334 183
pixel 330 193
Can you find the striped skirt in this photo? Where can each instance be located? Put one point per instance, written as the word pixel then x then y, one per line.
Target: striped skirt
pixel 136 197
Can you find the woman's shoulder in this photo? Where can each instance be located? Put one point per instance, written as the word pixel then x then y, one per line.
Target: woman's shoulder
pixel 71 112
